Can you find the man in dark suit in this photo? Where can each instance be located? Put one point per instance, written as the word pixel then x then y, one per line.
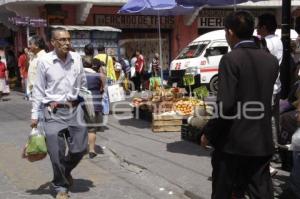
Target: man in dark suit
pixel 242 133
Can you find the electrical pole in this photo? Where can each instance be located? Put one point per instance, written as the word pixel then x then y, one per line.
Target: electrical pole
pixel 285 75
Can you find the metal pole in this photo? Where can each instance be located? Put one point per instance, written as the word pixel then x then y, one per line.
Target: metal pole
pixel 285 76
pixel 234 3
pixel 160 51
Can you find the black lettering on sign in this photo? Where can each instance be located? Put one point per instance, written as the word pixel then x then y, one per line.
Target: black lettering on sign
pixel 106 20
pixel 134 21
pixel 203 21
pixel 152 20
pixel 211 22
pixel 172 20
pixel 219 22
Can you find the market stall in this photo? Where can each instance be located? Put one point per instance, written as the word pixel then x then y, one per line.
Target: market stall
pixel 169 109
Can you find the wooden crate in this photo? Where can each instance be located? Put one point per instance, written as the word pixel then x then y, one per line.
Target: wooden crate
pixel 166 123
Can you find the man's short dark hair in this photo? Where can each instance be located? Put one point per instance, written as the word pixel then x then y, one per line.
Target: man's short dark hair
pixel 269 21
pixel 241 23
pixel 89 49
pixel 38 41
pixel 96 64
pixel 54 30
pixel 101 48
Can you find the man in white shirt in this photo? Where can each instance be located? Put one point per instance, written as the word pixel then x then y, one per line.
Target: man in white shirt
pixel 266 28
pixel 59 77
pixel 37 49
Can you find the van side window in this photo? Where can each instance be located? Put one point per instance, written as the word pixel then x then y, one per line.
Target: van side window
pixel 218 50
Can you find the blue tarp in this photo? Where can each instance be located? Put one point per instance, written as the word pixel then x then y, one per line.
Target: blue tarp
pixel 153 7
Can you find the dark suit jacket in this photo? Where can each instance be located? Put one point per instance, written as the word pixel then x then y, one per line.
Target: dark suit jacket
pixel 246 78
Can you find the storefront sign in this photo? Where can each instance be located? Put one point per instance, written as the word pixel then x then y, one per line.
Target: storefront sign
pixel 211 22
pixel 214 18
pixel 27 21
pixel 130 21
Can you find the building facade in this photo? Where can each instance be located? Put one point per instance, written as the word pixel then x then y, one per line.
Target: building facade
pixel 138 32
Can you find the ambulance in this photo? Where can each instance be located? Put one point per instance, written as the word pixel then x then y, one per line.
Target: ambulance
pixel 201 57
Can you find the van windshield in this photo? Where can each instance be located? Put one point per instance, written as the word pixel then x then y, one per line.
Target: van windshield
pixel 193 50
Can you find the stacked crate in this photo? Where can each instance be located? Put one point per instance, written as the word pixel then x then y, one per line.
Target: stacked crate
pixel 166 123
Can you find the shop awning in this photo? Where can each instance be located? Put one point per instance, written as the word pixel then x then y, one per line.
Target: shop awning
pixel 96 2
pixel 100 28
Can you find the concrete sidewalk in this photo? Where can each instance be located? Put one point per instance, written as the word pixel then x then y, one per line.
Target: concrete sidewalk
pixel 106 176
pixel 134 162
pixel 181 163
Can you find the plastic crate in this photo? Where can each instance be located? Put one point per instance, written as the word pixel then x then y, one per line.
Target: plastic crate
pixel 190 133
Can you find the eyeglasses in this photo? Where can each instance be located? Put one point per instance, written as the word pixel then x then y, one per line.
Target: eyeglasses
pixel 63 40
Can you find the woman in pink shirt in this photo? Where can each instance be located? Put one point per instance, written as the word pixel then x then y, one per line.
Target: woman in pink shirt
pixel 139 70
pixel 3 77
pixel 23 67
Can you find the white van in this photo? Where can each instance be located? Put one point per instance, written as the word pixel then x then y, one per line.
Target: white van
pixel 202 56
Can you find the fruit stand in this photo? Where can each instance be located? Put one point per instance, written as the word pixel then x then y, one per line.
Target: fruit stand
pixel 169 109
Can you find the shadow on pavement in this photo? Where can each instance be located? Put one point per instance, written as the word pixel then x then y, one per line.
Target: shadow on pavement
pixel 81 185
pixel 5 99
pixel 103 128
pixel 44 189
pixel 135 123
pixel 98 149
pixel 189 148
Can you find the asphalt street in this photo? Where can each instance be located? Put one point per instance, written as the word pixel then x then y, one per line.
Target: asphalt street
pixel 134 162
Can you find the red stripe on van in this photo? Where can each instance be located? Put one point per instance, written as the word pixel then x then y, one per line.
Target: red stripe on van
pixel 203 70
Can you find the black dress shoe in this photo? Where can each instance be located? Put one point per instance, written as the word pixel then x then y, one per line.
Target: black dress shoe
pixel 92 155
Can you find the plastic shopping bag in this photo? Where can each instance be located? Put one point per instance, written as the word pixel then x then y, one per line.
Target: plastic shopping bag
pixel 36 148
pixel 87 97
pixel 6 89
pixel 132 71
pixel 115 93
pixel 105 103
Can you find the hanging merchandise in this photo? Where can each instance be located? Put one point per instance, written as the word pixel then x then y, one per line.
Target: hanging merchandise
pixel 189 80
pixel 155 83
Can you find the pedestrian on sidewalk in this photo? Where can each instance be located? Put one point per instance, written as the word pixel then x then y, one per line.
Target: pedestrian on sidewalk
pixel 242 132
pixel 155 66
pixel 95 83
pixel 60 76
pixel 292 189
pixel 37 48
pixel 266 28
pixel 3 77
pixel 107 60
pixel 23 62
pixel 139 71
